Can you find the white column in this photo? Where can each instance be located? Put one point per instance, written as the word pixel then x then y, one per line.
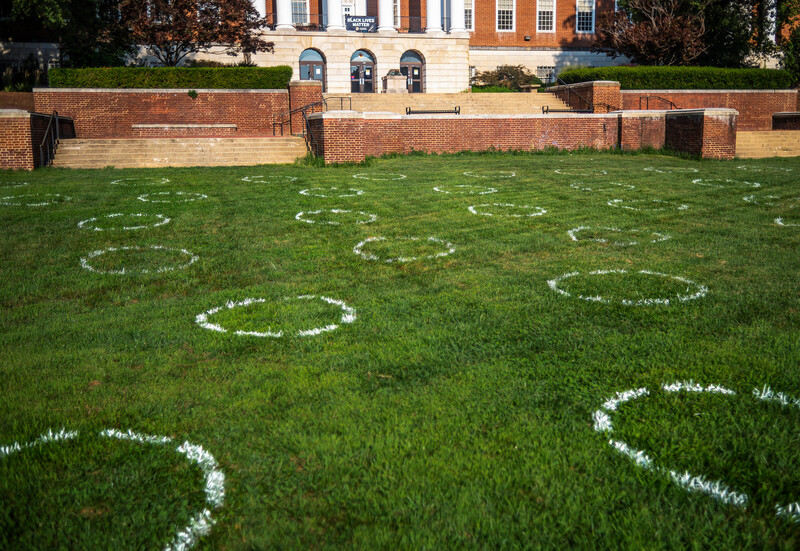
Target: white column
pixel 457 16
pixel 433 16
pixel 261 7
pixel 283 19
pixel 385 16
pixel 335 17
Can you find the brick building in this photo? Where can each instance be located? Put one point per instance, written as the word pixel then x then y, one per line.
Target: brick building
pixel 437 45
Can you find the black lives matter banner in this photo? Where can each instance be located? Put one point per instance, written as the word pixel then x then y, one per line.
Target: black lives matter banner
pixel 361 23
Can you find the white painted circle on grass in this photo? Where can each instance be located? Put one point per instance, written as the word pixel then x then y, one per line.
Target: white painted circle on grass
pixel 139 181
pixel 171 197
pixel 214 480
pixel 656 237
pixel 379 176
pixel 366 217
pixel 121 218
pixel 331 192
pixel 33 200
pixel 122 271
pixel 263 179
pixel 580 186
pixel 13 184
pixel 497 174
pixel 672 169
pixel 465 189
pixel 723 183
pixel 579 172
pixel 753 168
pixel 763 200
pixel 655 205
pixel 532 211
pixel 449 249
pixel 787 223
pixel 348 316
pixel 693 483
pixel 700 290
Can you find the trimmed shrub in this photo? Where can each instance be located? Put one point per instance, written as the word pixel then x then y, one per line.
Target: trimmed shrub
pixel 505 76
pixel 684 78
pixel 173 77
pixel 490 89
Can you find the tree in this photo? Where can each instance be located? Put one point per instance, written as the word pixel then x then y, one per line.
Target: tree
pixel 89 31
pixel 173 29
pixel 652 32
pixel 506 76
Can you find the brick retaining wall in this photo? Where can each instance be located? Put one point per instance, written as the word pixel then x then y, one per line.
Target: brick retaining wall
pixel 21 133
pixel 16 100
pixel 348 136
pixel 111 113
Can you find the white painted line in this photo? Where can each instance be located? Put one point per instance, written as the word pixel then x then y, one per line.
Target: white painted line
pixel 659 204
pixel 171 197
pixel 331 192
pixel 716 489
pixel 723 183
pixel 16 200
pixel 139 181
pixel 580 172
pixel 497 174
pixel 308 216
pixel 379 176
pixel 700 290
pixel 672 169
pixel 90 223
pixel 123 271
pixel 348 316
pixel 580 186
pixel 534 211
pixel 358 249
pixel 465 189
pixel 658 237
pixel 263 179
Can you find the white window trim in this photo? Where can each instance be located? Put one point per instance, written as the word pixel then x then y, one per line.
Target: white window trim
pixel 472 24
pixel 555 2
pixel 594 16
pixel 497 18
pixel 307 13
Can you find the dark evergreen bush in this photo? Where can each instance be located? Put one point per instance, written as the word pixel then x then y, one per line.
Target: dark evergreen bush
pixel 683 78
pixel 173 77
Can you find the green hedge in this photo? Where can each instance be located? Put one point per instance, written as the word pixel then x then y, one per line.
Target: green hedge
pixel 172 77
pixel 684 78
pixel 491 89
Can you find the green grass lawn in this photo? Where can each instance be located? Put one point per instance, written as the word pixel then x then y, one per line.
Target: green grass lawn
pixel 436 361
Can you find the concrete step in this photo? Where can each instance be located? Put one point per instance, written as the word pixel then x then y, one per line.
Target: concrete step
pixel 471 104
pixel 163 152
pixel 770 143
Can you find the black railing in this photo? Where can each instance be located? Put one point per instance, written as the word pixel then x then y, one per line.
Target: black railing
pixel 585 105
pixel 56 127
pixel 647 99
pixel 281 119
pixel 311 140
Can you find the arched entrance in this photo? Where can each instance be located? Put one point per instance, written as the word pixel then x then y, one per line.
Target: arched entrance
pixel 362 72
pixel 413 67
pixel 312 66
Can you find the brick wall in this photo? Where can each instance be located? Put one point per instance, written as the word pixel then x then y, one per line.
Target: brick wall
pixel 16 150
pixel 301 93
pixel 604 94
pixel 640 129
pixel 351 137
pixel 110 113
pixel 16 100
pixel 485 34
pixel 755 107
pixel 786 121
pixel 709 133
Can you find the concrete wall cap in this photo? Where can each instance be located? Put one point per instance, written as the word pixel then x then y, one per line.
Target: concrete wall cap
pixel 642 113
pixel 782 114
pixel 711 111
pixel 183 126
pixel 708 91
pixel 316 83
pixel 14 114
pixel 164 90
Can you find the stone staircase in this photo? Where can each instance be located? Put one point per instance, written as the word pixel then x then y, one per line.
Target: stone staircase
pixel 163 152
pixel 770 143
pixel 471 104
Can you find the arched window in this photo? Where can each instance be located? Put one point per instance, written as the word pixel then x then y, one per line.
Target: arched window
pixel 362 72
pixel 413 67
pixel 312 66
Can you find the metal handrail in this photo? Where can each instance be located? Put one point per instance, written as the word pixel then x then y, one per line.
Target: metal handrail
pixel 659 98
pixel 50 141
pixel 311 141
pixel 279 119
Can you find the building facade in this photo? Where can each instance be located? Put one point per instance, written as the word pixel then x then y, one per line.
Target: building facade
pixel 350 45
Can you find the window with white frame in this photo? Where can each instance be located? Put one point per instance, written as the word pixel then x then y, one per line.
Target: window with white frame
pixel 584 15
pixel 545 73
pixel 469 22
pixel 396 13
pixel 546 16
pixel 505 15
pixel 300 12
